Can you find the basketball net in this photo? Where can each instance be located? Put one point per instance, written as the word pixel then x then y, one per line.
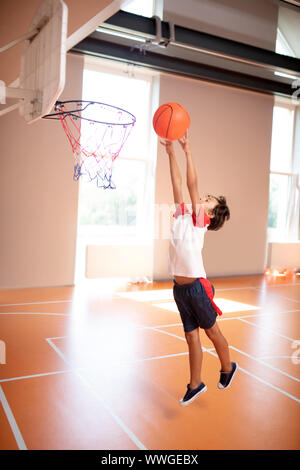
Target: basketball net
pixel 97 133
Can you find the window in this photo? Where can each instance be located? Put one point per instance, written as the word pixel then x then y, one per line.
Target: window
pixel 283 188
pixel 124 213
pixel 123 216
pixel 140 7
pixel 282 46
pixel 282 139
pixel 281 173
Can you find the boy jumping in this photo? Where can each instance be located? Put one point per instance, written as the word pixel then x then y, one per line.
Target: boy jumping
pixel 193 293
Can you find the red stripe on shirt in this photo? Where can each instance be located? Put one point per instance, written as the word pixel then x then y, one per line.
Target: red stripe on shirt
pixel 201 220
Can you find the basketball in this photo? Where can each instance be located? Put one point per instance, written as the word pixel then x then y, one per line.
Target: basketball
pixel 171 121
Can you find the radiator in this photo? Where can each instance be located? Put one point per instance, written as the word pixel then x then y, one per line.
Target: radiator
pixel 283 255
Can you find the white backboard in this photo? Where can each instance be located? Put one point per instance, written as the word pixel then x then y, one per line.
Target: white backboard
pixel 43 62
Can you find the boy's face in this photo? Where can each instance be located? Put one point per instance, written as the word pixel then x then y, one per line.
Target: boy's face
pixel 209 203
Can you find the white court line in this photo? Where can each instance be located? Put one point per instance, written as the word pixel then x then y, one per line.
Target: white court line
pixel 278 295
pixel 240 368
pixel 36 313
pixel 209 350
pixel 182 339
pixel 276 357
pixel 269 384
pixel 276 285
pixel 265 364
pixel 153 358
pixel 266 329
pixel 204 349
pixel 216 289
pixel 268 314
pixel 11 419
pixel 159 326
pixel 57 337
pixel 221 319
pixel 116 293
pixel 127 431
pixel 37 303
pixel 33 376
pixel 139 327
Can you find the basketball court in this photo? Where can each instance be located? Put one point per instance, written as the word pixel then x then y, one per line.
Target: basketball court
pixel 93 353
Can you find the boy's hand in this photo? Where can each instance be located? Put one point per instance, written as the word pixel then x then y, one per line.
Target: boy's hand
pixel 185 143
pixel 168 144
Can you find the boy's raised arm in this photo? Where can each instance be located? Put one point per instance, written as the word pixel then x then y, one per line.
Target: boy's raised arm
pixel 174 171
pixel 192 179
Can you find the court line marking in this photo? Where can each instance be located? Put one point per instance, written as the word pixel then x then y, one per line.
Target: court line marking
pixel 154 328
pixel 118 420
pixel 252 357
pixel 118 364
pixel 140 327
pixel 129 362
pixel 33 376
pixel 267 329
pixel 12 422
pixel 278 295
pixel 266 364
pixel 267 314
pixel 38 303
pixel 35 313
pixel 216 289
pixel 204 349
pixel 159 326
pixel 277 357
pixel 223 319
pixel 243 370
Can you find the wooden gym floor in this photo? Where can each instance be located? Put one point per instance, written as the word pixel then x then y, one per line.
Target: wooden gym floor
pixel 92 368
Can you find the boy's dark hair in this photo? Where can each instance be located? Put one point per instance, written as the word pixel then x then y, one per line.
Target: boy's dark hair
pixel 221 213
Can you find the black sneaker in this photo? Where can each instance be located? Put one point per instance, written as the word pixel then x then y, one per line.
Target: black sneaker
pixel 192 394
pixel 226 377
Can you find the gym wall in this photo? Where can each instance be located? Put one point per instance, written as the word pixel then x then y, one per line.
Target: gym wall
pixel 38 197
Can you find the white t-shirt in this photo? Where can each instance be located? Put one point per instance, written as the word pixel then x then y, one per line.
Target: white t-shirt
pixel 186 242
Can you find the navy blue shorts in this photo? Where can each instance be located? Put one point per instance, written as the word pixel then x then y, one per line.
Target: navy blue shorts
pixel 194 305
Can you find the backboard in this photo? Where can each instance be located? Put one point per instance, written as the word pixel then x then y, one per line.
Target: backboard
pixel 56 27
pixel 43 62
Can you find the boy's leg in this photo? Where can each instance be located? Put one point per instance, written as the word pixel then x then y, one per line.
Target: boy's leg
pixel 195 357
pixel 221 346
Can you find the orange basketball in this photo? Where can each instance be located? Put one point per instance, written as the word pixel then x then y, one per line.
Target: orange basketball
pixel 171 121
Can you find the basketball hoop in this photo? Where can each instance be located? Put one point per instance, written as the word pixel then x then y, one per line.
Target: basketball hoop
pixel 97 133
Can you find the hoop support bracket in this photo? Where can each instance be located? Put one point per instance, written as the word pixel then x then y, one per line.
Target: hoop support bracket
pixel 159 41
pixel 19 93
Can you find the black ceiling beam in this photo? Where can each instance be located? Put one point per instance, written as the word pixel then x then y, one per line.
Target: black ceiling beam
pixel 293 3
pixel 100 48
pixel 211 43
